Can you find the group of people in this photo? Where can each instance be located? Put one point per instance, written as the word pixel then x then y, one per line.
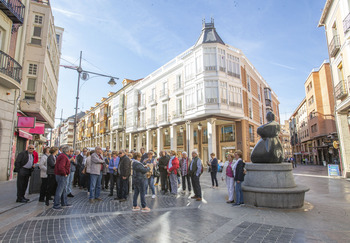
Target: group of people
pixel 61 168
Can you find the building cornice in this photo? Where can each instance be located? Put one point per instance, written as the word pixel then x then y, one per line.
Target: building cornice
pixel 325 11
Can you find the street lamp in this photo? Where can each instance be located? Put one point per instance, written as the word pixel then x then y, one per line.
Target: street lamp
pixel 181 129
pixel 85 76
pixel 199 126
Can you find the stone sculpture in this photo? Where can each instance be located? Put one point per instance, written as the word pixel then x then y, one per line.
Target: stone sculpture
pixel 269 148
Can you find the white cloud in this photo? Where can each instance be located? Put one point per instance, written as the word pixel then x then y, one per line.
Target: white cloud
pixel 282 65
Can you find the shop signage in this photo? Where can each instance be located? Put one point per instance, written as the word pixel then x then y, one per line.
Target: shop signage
pixel 333 170
pixel 26 122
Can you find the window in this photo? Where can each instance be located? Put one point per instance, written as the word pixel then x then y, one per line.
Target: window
pixel 178 84
pixel 311 100
pixel 31 84
pixel 210 58
pixel 199 64
pixel 211 91
pixel 195 137
pixel 179 107
pixel 223 92
pixel 222 58
pixel 233 66
pixel 58 37
pixel 164 112
pixel 153 115
pixel 180 138
pixel 250 109
pixel 251 133
pixel 314 128
pixel 167 140
pixel 228 133
pixel 259 94
pixel 142 100
pixel 205 135
pixel 33 68
pixel 200 98
pixel 189 72
pixel 38 19
pixel 261 115
pixel 29 96
pixel 190 98
pixel 248 83
pixel 1 34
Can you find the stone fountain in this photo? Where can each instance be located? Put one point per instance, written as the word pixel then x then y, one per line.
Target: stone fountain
pixel 269 182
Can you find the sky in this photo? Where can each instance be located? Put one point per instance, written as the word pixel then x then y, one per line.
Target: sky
pixel 132 38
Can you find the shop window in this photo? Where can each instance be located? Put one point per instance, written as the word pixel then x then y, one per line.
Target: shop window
pixel 205 135
pixel 167 140
pixel 228 133
pixel 180 138
pixel 195 137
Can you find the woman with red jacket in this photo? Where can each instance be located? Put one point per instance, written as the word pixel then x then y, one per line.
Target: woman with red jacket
pixel 172 172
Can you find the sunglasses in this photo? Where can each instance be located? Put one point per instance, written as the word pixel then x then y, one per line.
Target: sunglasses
pixel 30 148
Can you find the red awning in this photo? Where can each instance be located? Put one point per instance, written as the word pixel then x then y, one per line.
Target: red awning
pixel 24 134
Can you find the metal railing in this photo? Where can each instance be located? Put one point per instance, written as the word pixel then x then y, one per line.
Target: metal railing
pixel 235 104
pixel 346 23
pixel 152 121
pixel 152 98
pixel 164 92
pixel 210 68
pixel 223 101
pixel 178 114
pixel 178 86
pixel 334 46
pixel 211 100
pixel 10 67
pixel 163 118
pixel 268 102
pixel 45 2
pixel 236 75
pixel 16 7
pixel 340 90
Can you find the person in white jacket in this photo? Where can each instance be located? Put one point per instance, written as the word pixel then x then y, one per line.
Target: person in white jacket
pixel 227 175
pixel 43 173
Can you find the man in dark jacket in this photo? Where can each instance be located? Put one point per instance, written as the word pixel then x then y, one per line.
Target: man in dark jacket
pixel 239 177
pixel 124 170
pixel 163 165
pixel 144 155
pixel 24 165
pixel 62 170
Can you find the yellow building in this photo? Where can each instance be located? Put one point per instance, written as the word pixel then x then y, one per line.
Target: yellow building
pixel 336 20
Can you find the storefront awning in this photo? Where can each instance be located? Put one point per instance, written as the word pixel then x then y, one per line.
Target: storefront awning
pixel 38 129
pixel 24 134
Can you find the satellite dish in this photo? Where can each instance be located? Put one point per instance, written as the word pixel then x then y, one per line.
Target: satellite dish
pixel 85 76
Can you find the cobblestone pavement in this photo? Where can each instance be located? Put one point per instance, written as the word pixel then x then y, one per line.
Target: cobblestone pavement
pixel 324 218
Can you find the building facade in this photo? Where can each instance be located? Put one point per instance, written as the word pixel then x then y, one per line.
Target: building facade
pixel 209 98
pixel 285 140
pixel 336 20
pixel 312 125
pixel 13 15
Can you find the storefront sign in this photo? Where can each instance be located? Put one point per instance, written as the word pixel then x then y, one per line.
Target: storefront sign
pixel 333 170
pixel 26 122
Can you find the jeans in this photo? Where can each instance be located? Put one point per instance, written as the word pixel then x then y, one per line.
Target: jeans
pixel 22 182
pixel 139 188
pixel 173 182
pixel 61 193
pixel 184 179
pixel 239 193
pixel 95 185
pixel 213 178
pixel 196 186
pixel 230 183
pixel 70 178
pixel 149 182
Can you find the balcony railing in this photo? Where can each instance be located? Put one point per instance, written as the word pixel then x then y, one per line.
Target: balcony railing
pixel 346 23
pixel 45 2
pixel 14 9
pixel 178 86
pixel 340 90
pixel 251 137
pixel 211 100
pixel 164 118
pixel 152 99
pixel 210 68
pixel 334 46
pixel 236 75
pixel 223 101
pixel 164 93
pixel 178 114
pixel 222 69
pixel 10 67
pixel 152 122
pixel 235 104
pixel 141 124
pixel 268 102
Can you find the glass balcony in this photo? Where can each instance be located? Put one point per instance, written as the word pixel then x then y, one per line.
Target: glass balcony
pixel 340 90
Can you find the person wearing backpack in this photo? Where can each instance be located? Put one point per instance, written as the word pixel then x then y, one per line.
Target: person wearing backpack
pixel 195 171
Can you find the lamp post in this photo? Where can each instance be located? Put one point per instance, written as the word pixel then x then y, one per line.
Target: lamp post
pixel 80 71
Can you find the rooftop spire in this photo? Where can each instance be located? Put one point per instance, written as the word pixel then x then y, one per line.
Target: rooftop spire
pixel 209 34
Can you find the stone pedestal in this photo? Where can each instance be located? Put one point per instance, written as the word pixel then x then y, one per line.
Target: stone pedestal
pixel 272 185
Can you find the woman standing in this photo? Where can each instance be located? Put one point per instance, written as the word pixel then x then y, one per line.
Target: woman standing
pixel 227 174
pixel 213 163
pixel 172 171
pixel 51 180
pixel 43 174
pixel 105 175
pixel 239 177
pixel 150 161
pixel 113 172
pixel 139 171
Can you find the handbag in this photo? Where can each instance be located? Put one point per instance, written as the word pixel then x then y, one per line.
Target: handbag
pixel 115 172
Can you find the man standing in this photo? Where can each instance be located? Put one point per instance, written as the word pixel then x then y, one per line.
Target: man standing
pixel 24 165
pixel 144 155
pixel 184 173
pixel 81 161
pixel 195 173
pixel 73 168
pixel 124 170
pixel 96 175
pixel 163 165
pixel 62 170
